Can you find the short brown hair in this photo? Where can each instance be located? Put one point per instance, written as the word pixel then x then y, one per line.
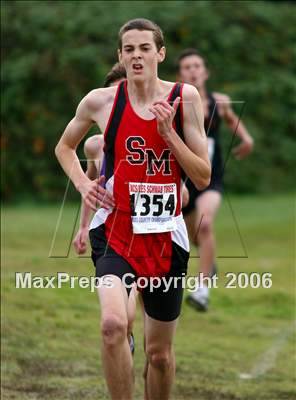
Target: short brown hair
pixel 117 72
pixel 142 24
pixel 186 53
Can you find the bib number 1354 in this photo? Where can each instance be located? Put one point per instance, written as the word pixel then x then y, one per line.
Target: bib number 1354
pixel 153 207
pixel 155 200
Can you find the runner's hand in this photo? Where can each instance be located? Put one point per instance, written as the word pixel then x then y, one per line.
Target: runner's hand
pixel 80 240
pixel 185 196
pixel 164 114
pixel 243 149
pixel 95 196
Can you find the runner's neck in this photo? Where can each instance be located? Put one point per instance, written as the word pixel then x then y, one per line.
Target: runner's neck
pixel 142 93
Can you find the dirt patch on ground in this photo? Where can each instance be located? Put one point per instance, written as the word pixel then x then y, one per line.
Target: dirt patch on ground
pixel 41 367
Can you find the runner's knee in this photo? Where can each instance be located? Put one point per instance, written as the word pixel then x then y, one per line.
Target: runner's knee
pixel 114 329
pixel 159 358
pixel 206 226
pixel 194 237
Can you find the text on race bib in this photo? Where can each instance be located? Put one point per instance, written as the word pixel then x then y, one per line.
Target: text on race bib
pixel 153 207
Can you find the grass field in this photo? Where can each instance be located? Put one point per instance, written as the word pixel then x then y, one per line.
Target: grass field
pixel 50 337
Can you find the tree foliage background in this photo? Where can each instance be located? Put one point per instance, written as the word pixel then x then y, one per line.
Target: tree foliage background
pixel 54 52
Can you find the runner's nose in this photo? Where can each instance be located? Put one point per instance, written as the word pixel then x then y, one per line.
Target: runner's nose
pixel 137 55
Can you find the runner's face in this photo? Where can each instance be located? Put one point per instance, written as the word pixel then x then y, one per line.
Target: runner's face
pixel 193 71
pixel 139 55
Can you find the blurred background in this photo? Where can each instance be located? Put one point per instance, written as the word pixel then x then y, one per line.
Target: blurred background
pixel 54 53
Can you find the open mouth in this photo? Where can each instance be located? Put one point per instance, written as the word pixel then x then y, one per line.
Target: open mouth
pixel 137 67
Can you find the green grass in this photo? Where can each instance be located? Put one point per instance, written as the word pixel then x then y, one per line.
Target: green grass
pixel 51 339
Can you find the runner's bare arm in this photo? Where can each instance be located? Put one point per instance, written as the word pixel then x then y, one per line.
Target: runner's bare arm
pixel 91 171
pixel 72 136
pixel 185 195
pixel 93 150
pixel 193 154
pixel 65 151
pixel 235 124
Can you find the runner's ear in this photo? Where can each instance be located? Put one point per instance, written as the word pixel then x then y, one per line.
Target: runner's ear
pixel 119 55
pixel 161 54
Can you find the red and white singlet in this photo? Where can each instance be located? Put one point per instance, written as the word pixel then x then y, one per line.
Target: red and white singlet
pixel 145 179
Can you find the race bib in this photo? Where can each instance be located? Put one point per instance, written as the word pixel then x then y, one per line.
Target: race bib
pixel 153 207
pixel 211 148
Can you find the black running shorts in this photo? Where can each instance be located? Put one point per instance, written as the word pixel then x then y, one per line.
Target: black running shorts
pixel 159 304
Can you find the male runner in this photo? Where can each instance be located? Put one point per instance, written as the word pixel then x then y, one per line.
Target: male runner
pixel 93 150
pixel 139 228
pixel 203 204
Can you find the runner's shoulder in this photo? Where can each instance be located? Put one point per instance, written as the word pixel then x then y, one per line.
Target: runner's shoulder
pixel 93 145
pixel 190 93
pixel 190 90
pixel 186 86
pixel 97 98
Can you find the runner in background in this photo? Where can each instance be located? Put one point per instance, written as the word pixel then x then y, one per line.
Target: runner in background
pixel 203 204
